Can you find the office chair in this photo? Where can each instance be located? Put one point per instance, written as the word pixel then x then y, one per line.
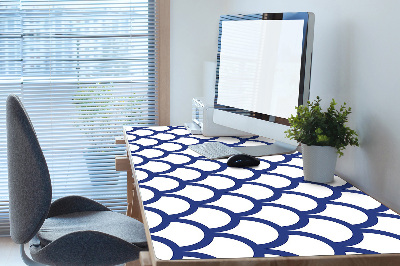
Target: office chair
pixel 70 231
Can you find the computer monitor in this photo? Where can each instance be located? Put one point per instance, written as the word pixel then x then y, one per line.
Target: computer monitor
pixel 263 73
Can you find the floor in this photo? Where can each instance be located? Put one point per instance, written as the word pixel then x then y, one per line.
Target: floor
pixel 9 253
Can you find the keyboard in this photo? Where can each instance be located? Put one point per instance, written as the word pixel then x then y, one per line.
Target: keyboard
pixel 214 150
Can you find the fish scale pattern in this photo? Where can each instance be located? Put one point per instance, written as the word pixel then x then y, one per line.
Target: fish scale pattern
pixel 200 208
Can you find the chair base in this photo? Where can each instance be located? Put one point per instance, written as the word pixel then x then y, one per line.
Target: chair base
pixel 26 259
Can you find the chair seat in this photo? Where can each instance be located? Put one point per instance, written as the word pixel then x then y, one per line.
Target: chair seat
pixel 107 222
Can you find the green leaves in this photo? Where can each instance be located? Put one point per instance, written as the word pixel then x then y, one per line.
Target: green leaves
pixel 312 126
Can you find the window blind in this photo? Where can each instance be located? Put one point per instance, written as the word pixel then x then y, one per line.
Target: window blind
pixel 83 69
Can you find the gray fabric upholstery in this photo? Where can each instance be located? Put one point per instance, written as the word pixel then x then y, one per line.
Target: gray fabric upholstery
pixel 78 231
pixel 72 204
pixel 28 176
pixel 111 223
pixel 85 248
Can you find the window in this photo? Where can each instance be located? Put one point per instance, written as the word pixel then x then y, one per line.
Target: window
pixel 83 69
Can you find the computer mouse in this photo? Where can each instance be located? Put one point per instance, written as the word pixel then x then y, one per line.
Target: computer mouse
pixel 242 160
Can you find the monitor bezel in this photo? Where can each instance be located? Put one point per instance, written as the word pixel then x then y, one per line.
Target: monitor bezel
pixel 305 69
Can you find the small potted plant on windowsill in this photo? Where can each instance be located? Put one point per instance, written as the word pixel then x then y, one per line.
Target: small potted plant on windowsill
pixel 323 135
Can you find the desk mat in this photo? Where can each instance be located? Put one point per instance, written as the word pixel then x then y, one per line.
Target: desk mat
pixel 200 208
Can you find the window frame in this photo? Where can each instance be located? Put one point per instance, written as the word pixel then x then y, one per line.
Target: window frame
pixel 163 77
pixel 163 36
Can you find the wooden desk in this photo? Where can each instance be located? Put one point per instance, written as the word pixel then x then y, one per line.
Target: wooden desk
pixel 200 212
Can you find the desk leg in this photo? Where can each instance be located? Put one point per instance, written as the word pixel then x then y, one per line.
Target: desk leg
pixel 133 263
pixel 144 260
pixel 133 200
pixel 129 192
pixel 133 210
pixel 122 164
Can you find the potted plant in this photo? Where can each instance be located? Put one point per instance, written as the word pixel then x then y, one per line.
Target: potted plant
pixel 98 107
pixel 323 135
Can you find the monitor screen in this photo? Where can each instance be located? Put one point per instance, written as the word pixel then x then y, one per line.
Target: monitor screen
pixel 260 63
pixel 263 71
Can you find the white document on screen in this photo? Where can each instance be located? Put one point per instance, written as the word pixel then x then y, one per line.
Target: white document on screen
pixel 260 65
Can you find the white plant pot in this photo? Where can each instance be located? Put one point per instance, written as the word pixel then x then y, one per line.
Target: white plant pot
pixel 319 163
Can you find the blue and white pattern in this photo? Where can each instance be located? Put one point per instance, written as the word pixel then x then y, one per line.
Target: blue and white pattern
pixel 200 208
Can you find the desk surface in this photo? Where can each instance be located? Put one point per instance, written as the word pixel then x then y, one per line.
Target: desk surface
pixel 200 208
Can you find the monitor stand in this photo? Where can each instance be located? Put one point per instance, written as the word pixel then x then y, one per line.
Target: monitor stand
pixel 264 150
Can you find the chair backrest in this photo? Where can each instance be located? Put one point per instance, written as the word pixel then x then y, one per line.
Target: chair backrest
pixel 29 183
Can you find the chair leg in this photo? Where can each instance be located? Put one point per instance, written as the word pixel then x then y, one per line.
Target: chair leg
pixel 26 259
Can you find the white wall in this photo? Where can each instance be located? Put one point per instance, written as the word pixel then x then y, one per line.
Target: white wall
pixel 356 59
pixel 194 40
